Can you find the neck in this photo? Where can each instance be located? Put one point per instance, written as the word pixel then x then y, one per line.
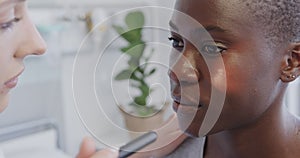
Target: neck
pixel 275 134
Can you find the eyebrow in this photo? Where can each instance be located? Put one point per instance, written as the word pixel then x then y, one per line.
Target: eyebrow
pixel 209 28
pixel 173 26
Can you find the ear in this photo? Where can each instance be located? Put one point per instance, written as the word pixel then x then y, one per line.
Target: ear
pixel 290 69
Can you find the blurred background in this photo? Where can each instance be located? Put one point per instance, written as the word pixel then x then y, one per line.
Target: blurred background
pixel 44 100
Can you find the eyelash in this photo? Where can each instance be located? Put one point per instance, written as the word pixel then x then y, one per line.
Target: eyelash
pixel 211 49
pixel 176 43
pixel 10 24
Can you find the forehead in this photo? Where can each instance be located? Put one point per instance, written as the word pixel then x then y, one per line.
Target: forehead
pixel 231 15
pixel 212 10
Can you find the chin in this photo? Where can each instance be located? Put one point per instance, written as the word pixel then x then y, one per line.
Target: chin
pixel 3 103
pixel 192 130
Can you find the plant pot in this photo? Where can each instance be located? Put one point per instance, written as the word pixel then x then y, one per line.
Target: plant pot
pixel 135 124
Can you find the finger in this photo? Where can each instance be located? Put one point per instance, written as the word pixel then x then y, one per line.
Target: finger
pixel 87 148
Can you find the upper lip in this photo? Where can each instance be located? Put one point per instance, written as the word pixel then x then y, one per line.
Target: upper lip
pixel 184 99
pixel 185 102
pixel 16 76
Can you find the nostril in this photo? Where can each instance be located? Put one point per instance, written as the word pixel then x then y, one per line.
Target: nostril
pixel 173 76
pixel 39 52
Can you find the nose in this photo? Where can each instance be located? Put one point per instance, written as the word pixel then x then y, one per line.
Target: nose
pixel 183 67
pixel 30 41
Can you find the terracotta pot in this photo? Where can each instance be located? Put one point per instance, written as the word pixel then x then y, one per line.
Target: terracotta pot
pixel 135 124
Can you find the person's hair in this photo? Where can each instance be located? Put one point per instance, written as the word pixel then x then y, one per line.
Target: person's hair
pixel 279 18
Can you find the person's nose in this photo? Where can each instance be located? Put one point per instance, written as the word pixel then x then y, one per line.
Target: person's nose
pixel 183 67
pixel 31 42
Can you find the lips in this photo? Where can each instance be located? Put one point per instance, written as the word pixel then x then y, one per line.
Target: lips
pixel 178 102
pixel 11 83
pixel 187 99
pixel 187 95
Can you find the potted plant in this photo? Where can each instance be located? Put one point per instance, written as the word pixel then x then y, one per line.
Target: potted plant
pixel 137 71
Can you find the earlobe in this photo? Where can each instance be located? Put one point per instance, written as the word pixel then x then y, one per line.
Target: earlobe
pixel 291 63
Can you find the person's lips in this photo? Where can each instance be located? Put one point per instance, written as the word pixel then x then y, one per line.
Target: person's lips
pixel 184 103
pixel 186 96
pixel 11 83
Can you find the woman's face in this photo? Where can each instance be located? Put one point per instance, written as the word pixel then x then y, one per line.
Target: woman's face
pixel 251 69
pixel 18 38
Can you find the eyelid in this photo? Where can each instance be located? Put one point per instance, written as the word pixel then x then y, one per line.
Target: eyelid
pixel 174 38
pixel 221 48
pixel 216 43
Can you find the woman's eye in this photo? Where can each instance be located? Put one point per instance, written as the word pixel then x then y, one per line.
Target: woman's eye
pixel 176 43
pixel 213 49
pixel 9 24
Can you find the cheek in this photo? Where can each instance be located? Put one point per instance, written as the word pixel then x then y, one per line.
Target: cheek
pixel 219 79
pixel 242 107
pixel 3 67
pixel 4 60
pixel 247 94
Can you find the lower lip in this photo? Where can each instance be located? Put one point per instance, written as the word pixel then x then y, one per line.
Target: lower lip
pixel 12 83
pixel 176 106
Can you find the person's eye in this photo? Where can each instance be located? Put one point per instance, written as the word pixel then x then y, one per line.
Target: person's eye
pixel 9 25
pixel 177 43
pixel 213 49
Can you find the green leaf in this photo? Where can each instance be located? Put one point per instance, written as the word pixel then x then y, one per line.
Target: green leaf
pixel 133 63
pixel 133 77
pixel 132 36
pixel 151 72
pixel 120 30
pixel 145 90
pixel 136 51
pixel 131 45
pixel 124 75
pixel 140 100
pixel 135 20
